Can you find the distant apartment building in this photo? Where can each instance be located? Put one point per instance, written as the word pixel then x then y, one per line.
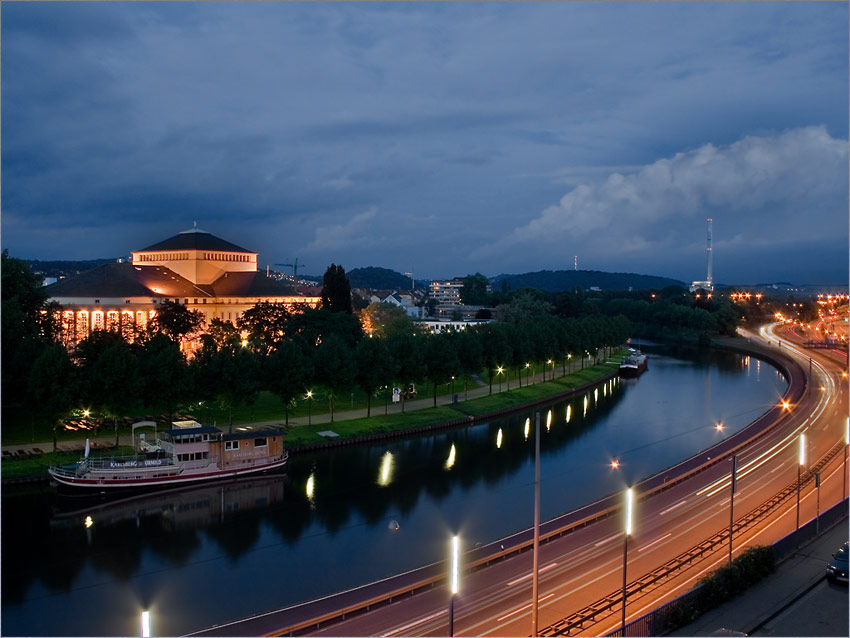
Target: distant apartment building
pixel 448 292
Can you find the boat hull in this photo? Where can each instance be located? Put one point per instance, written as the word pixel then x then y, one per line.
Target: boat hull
pixel 116 480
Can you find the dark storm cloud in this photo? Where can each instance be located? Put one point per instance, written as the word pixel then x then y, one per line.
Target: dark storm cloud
pixel 430 135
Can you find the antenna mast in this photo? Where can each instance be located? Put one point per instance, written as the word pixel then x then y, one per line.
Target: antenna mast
pixel 708 251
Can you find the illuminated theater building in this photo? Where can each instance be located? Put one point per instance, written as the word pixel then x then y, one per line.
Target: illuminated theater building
pixel 194 268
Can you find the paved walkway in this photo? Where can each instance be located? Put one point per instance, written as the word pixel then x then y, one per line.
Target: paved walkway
pixel 796 600
pixel 480 390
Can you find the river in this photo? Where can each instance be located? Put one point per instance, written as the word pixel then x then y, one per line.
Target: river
pixel 344 517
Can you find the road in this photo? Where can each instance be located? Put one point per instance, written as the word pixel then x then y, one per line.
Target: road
pixel 582 568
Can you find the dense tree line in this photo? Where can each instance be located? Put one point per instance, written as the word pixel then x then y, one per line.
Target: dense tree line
pixel 269 348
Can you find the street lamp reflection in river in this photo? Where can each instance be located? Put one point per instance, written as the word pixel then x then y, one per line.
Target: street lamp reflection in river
pixel 499 439
pixel 569 411
pixel 451 460
pixel 385 474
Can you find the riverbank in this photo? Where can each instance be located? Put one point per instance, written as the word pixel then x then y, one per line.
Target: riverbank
pixel 29 462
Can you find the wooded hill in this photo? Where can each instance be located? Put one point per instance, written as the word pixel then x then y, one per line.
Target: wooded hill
pixel 561 280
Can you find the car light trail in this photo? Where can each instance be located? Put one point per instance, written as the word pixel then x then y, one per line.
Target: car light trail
pixel 655 542
pixel 527 576
pixel 670 509
pixel 414 623
pixel 524 607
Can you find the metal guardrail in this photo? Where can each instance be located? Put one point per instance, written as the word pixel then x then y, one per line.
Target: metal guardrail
pixel 608 605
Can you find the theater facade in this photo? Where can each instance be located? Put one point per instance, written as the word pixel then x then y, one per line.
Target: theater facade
pixel 193 268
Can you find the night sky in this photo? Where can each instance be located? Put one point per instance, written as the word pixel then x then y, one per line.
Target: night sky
pixel 437 138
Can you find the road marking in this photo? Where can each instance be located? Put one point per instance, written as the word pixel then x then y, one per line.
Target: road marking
pixel 670 509
pixel 655 541
pixel 527 576
pixel 606 540
pixel 528 606
pixel 418 622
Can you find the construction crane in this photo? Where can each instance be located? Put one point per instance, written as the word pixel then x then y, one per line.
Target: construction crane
pixel 294 268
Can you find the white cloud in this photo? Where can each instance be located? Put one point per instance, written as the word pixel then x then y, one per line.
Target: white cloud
pixel 801 173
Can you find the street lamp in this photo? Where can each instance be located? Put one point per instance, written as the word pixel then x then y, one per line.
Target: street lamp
pixel 309 407
pixel 454 584
pixel 846 443
pixel 732 502
pixel 799 470
pixel 500 371
pixel 553 368
pixel 628 532
pixel 146 624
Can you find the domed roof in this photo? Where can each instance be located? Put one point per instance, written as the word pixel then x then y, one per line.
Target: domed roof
pixel 195 239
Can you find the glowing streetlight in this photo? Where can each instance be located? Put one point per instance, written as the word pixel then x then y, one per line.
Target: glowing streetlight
pixel 455 583
pixel 719 427
pixel 146 624
pixel 627 533
pixel 500 370
pixel 802 451
pixel 846 444
pixel 309 407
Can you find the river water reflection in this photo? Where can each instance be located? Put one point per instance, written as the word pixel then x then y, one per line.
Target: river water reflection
pixel 341 518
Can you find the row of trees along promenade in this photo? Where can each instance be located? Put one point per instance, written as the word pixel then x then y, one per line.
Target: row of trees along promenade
pixel 319 357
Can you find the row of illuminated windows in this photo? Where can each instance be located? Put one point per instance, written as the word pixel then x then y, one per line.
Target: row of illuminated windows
pixel 191 438
pixel 228 257
pixel 164 257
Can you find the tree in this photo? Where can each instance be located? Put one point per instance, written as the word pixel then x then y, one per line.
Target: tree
pixel 286 373
pixel 495 348
pixel 377 315
pixel 314 325
pixel 26 329
pixel 441 360
pixel 52 386
pixel 336 291
pixel 334 367
pixel 223 333
pixel 374 367
pixel 525 305
pixel 114 381
pixel 163 373
pixel 175 320
pixel 470 354
pixel 474 290
pixel 266 324
pixel 407 353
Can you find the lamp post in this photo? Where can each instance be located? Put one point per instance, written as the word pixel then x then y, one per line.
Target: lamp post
pixel 553 368
pixel 454 583
pixel 799 470
pixel 817 506
pixel 500 370
pixel 146 624
pixel 309 407
pixel 535 568
pixel 732 502
pixel 627 533
pixel 846 443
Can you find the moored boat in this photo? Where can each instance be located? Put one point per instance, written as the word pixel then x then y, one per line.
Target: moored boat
pixel 188 452
pixel 634 364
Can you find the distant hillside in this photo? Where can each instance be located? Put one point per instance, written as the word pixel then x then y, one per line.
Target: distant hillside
pixel 378 278
pixel 561 280
pixel 60 269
